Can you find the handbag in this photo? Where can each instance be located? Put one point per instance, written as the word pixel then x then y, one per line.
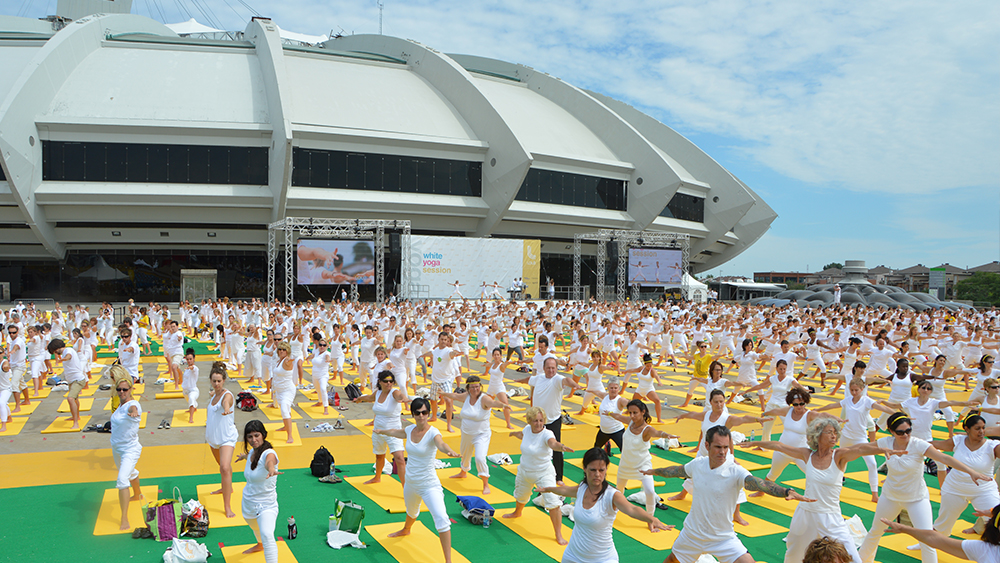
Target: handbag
pixel 186 551
pixel 348 516
pixel 163 517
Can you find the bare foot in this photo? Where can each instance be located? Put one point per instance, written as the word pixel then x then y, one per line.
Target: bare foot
pixel 191 420
pixel 254 549
pixel 318 404
pixel 399 534
pixel 273 406
pixel 431 419
pixel 875 498
pixel 560 540
pixel 326 410
pixel 679 496
pixel 230 513
pixel 971 531
pixel 373 480
pixel 459 475
pixel 124 526
pixel 486 490
pixel 219 492
pixel 514 514
pixel 136 497
pixel 372 423
pixel 75 426
pixel 740 520
pixel 291 439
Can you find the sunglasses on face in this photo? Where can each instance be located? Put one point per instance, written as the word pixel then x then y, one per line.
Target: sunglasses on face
pixel 994 386
pixel 798 404
pixel 387 380
pixel 122 389
pixel 903 432
pixel 421 413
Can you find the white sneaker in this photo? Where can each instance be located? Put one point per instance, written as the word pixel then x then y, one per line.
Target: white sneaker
pixel 914 547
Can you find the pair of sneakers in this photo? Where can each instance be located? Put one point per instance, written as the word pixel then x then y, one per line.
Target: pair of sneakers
pixel 164 425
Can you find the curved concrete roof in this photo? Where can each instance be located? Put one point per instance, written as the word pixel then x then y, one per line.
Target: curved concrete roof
pixel 129 79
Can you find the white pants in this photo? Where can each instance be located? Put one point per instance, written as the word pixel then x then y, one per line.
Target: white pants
pixel 647 488
pixel 920 515
pixel 4 409
pixel 808 526
pixel 253 365
pixel 126 461
pixel 869 461
pixel 17 379
pixel 433 497
pixel 192 397
pixel 38 365
pixel 953 504
pixel 322 383
pixel 779 462
pixel 283 397
pixel 263 530
pixel 480 445
pixel 810 362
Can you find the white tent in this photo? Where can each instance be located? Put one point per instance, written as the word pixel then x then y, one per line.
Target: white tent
pixel 103 272
pixel 191 27
pixel 301 37
pixel 696 291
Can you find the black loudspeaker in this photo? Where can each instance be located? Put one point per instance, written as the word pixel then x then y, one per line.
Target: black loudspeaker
pixel 395 251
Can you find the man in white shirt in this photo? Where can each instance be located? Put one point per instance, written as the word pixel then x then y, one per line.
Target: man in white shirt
pixel 546 394
pixel 73 374
pixel 173 350
pixel 18 358
pixel 708 527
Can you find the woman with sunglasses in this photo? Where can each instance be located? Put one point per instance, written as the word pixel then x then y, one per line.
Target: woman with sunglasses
pixel 476 413
pixel 387 406
pixel 780 383
pixel 796 419
pixel 982 371
pixel 904 487
pixel 125 447
pixel 536 469
pixel 937 374
pixel 423 441
pixel 921 411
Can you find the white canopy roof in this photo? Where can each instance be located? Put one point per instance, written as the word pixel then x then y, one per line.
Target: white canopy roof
pixel 301 37
pixel 191 26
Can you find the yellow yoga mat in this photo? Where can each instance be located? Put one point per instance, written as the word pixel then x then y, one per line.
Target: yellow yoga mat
pixel 639 531
pixel 535 526
pixel 109 516
pixel 612 475
pixel 42 393
pixel 180 418
pixel 90 391
pixel 216 509
pixel 898 543
pixel 316 413
pixel 171 387
pixel 14 427
pixel 234 554
pixel 512 468
pixel 360 424
pixel 278 439
pixel 471 486
pixel 388 493
pixel 420 546
pixel 61 425
pixel 177 395
pixel 85 405
pixel 25 409
pixel 275 414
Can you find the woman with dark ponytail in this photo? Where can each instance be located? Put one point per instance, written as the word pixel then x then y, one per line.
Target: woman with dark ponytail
pixel 260 497
pixel 597 504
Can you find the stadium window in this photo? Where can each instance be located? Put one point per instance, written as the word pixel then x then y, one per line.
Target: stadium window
pixel 389 173
pixel 685 207
pixel 546 186
pixel 134 162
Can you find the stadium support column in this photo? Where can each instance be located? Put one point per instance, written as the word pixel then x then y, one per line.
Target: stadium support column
pixel 577 258
pixel 272 257
pixel 289 273
pixel 263 33
pixel 380 264
pixel 602 259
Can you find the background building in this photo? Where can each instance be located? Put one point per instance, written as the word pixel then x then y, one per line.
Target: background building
pixel 123 142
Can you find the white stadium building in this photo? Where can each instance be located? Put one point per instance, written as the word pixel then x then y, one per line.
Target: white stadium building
pixel 123 142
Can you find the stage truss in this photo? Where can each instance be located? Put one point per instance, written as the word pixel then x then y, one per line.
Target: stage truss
pixel 626 240
pixel 357 229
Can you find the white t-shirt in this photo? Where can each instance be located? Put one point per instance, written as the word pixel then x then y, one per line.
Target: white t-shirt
pixel 905 482
pixel 72 370
pixel 547 395
pixel 711 515
pixel 536 455
pixel 124 428
pixel 980 551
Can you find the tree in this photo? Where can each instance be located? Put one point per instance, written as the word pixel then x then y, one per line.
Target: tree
pixel 836 265
pixel 981 287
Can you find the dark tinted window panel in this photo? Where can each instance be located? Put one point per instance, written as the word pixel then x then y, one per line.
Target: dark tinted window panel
pixel 356 171
pixel 425 176
pixel 546 186
pixel 390 174
pixel 685 207
pixel 218 165
pixel 408 174
pixel 318 175
pixel 239 165
pixel 338 169
pixel 127 162
pixel 373 172
pixel 476 178
pixel 300 168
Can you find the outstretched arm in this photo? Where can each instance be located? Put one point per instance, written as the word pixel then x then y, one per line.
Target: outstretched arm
pixel 790 451
pixel 622 504
pixel 669 471
pixel 933 538
pixel 775 490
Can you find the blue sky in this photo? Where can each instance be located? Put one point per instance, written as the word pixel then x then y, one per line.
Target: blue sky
pixel 872 128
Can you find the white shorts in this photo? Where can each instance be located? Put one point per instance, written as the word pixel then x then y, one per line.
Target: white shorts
pixel 126 461
pixel 176 360
pixel 231 444
pixel 338 364
pixel 382 445
pixel 688 550
pixel 525 482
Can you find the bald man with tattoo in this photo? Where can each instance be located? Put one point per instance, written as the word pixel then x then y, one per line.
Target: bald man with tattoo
pixel 708 527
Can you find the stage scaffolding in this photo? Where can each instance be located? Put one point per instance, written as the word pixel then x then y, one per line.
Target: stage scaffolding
pixel 626 240
pixel 357 229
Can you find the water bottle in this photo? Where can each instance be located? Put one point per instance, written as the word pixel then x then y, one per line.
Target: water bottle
pixel 333 468
pixel 753 433
pixel 293 530
pixel 487 519
pixel 333 523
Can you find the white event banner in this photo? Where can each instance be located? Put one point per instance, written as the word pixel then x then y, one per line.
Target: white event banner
pixel 439 262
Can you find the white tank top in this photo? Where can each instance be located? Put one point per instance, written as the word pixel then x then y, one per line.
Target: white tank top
pixel 794 433
pixel 221 428
pixel 387 412
pixel 900 389
pixel 779 388
pixel 824 485
pixel 635 456
pixel 610 425
pixel 595 381
pixel 496 381
pixel 475 419
pixel 980 460
pixel 706 424
pixel 282 378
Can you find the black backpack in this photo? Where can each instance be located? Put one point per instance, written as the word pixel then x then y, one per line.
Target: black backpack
pixel 245 401
pixel 352 391
pixel 322 460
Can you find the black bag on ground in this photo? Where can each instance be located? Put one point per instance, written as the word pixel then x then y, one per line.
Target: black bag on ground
pixel 245 401
pixel 352 391
pixel 322 460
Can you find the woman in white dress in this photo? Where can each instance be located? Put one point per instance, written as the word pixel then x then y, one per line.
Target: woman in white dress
pixel 387 407
pixel 221 433
pixel 859 427
pixel 904 487
pixel 597 504
pixel 423 441
pixel 824 469
pixel 536 469
pixel 260 493
pixel 635 456
pixel 125 447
